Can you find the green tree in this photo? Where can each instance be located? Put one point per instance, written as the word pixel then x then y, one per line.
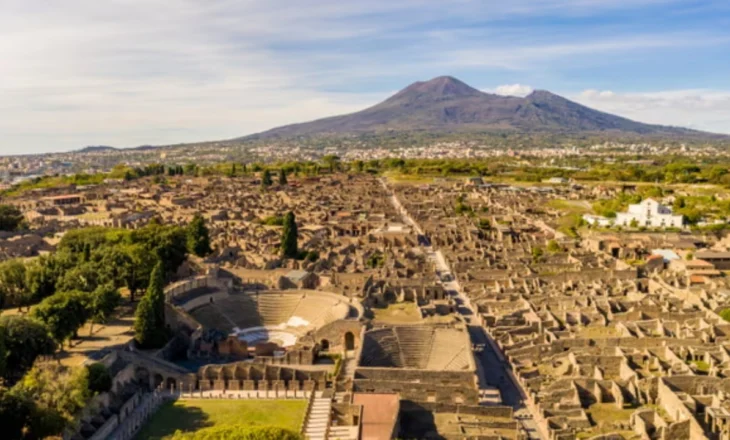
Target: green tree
pixel 332 161
pixel 282 177
pixel 63 313
pixel 15 413
pixel 10 218
pixel 198 238
pixel 100 380
pixel 40 278
pixel 266 179
pixel 13 283
pixel 58 393
pixel 289 237
pixel 104 301
pixel 24 339
pixel 149 323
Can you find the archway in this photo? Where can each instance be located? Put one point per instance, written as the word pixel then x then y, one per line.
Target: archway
pixel 142 375
pixel 349 341
pixel 158 380
pixel 171 384
pixel 324 345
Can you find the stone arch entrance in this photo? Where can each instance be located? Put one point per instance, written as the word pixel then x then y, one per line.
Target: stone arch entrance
pixel 158 380
pixel 171 384
pixel 349 341
pixel 324 345
pixel 142 375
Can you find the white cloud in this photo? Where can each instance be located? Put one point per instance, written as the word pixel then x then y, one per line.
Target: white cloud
pixel 130 72
pixel 513 90
pixel 701 109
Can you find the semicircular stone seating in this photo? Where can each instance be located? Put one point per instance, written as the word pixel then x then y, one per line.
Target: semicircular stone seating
pixel 418 347
pixel 291 312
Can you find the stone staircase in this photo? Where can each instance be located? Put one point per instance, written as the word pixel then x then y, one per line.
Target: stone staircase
pixel 318 419
pixel 343 433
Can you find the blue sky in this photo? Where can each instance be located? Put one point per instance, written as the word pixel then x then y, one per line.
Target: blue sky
pixel 135 72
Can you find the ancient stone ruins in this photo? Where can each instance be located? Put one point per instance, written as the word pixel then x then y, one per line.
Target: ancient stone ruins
pixel 443 310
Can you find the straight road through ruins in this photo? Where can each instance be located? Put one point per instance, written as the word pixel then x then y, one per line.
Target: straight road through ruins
pixel 493 372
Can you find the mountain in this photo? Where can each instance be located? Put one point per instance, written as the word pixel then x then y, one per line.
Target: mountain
pixel 445 104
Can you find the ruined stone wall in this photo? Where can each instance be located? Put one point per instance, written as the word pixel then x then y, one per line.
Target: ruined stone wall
pixel 676 409
pixel 179 320
pixel 419 385
pixel 476 410
pixel 334 333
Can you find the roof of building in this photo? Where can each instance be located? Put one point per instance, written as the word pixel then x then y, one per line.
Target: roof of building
pixel 379 414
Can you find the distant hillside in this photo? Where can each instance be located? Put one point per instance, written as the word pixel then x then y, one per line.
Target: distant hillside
pixel 445 104
pixel 96 149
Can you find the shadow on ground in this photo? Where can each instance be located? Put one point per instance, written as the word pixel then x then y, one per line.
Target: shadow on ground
pixel 171 418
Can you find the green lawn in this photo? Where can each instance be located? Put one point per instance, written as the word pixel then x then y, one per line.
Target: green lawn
pixel 193 415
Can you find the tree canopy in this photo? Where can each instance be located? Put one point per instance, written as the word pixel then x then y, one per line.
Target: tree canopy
pixel 10 218
pixel 198 237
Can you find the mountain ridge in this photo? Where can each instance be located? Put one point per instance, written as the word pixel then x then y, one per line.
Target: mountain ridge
pixel 446 104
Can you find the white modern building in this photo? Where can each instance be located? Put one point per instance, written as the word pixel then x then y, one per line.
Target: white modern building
pixel 649 213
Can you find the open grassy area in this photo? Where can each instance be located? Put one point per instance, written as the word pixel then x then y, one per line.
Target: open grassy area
pixel 193 415
pixel 406 312
pixel 570 206
pixel 605 416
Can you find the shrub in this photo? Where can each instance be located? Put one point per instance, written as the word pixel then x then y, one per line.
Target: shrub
pixel 100 380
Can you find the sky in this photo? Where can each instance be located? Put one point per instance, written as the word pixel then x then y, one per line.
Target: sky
pixel 152 72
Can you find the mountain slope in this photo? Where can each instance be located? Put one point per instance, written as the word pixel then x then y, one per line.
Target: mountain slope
pixel 445 104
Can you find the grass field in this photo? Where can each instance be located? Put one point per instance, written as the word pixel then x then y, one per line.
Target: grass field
pixel 193 415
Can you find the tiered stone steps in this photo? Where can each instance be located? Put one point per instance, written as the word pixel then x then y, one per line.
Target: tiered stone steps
pixel 275 309
pixel 380 349
pixel 211 316
pixel 343 433
pixel 415 345
pixel 318 419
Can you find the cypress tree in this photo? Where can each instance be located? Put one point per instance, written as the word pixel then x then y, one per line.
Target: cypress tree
pixel 282 177
pixel 289 237
pixel 149 324
pixel 266 179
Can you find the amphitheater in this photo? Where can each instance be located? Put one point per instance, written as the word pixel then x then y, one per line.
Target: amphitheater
pixel 281 317
pixel 417 347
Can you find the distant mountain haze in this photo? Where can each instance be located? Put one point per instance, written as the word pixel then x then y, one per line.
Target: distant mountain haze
pixel 445 104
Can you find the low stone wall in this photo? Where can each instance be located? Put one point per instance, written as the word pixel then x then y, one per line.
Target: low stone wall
pixel 676 409
pixel 419 385
pixel 180 288
pixel 476 410
pixel 144 407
